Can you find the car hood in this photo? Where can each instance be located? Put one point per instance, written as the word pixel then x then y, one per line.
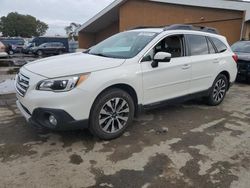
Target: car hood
pixel 243 56
pixel 71 64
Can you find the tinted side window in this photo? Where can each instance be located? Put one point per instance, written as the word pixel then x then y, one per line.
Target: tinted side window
pixel 198 45
pixel 211 47
pixel 172 44
pixel 221 47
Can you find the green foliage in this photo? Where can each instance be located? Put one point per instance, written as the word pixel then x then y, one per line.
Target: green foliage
pixel 15 24
pixel 71 30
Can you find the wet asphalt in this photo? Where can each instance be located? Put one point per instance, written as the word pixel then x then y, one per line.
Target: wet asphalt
pixel 178 146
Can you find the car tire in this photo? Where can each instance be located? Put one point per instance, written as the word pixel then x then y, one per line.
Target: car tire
pixel 218 90
pixel 39 52
pixel 111 114
pixel 11 52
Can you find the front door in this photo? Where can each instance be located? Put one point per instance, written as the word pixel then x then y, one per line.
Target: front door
pixel 170 79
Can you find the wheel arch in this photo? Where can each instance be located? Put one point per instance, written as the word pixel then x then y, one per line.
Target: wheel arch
pixel 125 87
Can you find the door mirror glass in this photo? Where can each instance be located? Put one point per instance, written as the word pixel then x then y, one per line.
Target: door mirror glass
pixel 162 57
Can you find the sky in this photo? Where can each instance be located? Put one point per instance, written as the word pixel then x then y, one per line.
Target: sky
pixel 56 13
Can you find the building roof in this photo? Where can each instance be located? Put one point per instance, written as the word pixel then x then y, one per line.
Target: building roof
pixel 110 14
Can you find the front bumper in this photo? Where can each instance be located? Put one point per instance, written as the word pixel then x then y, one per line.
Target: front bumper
pixel 40 119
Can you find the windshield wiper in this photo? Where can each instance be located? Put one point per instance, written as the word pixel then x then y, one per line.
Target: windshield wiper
pixel 99 54
pixel 86 51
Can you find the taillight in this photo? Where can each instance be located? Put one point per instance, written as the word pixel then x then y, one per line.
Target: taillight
pixel 235 57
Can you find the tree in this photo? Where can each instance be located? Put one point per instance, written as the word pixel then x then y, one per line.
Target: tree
pixel 71 30
pixel 41 28
pixel 15 24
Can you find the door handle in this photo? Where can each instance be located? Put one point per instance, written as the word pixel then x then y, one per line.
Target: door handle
pixel 186 66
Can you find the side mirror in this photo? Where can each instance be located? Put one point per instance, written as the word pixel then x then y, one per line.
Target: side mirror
pixel 162 57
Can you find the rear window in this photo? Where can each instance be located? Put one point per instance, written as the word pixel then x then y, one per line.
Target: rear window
pixel 242 46
pixel 221 47
pixel 198 45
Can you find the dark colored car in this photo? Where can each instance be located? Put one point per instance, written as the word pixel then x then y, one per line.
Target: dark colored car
pixel 14 45
pixel 242 49
pixel 28 48
pixel 49 48
pixel 37 41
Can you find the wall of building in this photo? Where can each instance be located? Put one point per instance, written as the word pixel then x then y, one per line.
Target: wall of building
pixel 107 32
pixel 87 40
pixel 135 13
pixel 144 13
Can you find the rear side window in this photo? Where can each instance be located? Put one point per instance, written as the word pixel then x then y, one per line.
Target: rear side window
pixel 198 45
pixel 211 47
pixel 221 47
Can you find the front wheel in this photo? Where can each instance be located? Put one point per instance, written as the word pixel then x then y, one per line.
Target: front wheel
pixel 39 52
pixel 218 91
pixel 11 52
pixel 111 114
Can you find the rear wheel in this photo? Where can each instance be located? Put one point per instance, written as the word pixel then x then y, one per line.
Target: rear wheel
pixel 218 91
pixel 111 114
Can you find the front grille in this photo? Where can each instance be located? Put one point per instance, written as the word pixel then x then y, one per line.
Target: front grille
pixel 22 84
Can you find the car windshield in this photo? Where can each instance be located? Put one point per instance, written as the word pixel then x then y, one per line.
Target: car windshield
pixel 243 47
pixel 123 45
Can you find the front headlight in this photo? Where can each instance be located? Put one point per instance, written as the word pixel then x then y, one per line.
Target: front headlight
pixel 61 84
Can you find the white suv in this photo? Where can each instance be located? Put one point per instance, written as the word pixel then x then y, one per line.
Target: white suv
pixel 103 88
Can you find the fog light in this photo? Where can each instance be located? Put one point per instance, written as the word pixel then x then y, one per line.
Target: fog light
pixel 52 120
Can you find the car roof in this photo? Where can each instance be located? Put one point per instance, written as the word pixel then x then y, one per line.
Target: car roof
pixel 154 30
pixel 161 30
pixel 242 41
pixel 181 28
pixel 52 43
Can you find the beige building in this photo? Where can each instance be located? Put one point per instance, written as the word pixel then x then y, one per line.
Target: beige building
pixel 231 18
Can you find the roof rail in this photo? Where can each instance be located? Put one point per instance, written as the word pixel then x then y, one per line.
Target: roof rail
pixel 191 27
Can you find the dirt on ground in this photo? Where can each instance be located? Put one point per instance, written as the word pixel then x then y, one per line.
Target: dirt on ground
pixel 179 146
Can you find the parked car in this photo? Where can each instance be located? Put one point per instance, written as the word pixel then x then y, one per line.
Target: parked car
pixel 242 49
pixel 103 88
pixel 27 49
pixel 49 48
pixel 14 45
pixel 3 52
pixel 37 41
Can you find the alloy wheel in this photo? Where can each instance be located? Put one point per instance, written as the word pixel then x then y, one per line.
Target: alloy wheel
pixel 219 90
pixel 114 115
pixel 40 53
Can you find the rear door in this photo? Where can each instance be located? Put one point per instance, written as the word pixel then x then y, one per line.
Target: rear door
pixel 203 61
